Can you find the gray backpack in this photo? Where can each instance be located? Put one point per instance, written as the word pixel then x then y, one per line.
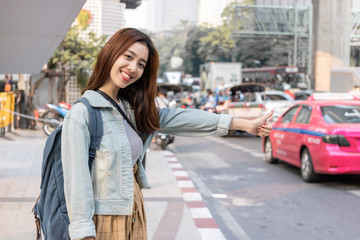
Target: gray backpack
pixel 50 208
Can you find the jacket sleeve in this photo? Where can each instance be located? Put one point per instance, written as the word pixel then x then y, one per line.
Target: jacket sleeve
pixel 193 122
pixel 77 180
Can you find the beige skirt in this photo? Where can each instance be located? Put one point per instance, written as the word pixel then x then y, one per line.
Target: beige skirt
pixel 126 227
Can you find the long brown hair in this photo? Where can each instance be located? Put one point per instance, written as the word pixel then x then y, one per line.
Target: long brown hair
pixel 141 94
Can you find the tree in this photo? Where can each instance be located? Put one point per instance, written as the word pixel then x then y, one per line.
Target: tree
pixel 171 44
pixel 216 46
pixel 193 58
pixel 74 57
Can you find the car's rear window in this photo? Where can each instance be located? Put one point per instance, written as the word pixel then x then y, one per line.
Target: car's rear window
pixel 273 97
pixel 341 113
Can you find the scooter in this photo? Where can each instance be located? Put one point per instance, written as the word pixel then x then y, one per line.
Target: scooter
pixel 54 116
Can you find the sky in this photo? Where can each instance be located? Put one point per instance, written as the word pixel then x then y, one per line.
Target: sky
pixel 136 18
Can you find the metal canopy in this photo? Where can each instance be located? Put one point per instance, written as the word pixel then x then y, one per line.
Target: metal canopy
pixel 30 31
pixel 281 21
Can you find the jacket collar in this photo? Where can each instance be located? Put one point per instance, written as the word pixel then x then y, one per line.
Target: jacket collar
pixel 98 101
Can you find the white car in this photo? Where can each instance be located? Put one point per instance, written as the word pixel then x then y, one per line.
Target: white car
pixel 275 100
pixel 251 101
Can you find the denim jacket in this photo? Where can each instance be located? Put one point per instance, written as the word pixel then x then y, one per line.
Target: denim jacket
pixel 108 188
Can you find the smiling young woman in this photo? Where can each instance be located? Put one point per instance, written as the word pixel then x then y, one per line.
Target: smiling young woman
pixel 106 202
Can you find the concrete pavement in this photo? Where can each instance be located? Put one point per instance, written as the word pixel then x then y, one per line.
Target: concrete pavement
pixel 174 208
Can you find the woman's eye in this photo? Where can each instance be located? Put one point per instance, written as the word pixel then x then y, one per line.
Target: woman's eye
pixel 127 56
pixel 142 66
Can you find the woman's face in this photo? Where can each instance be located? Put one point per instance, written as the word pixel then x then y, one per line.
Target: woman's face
pixel 129 67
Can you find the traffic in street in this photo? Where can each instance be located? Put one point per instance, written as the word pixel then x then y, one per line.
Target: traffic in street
pixel 252 199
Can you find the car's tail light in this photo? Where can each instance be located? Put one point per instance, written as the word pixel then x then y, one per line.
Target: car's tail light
pixel 336 139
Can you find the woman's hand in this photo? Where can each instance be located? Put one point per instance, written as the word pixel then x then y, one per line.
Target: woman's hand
pixel 259 126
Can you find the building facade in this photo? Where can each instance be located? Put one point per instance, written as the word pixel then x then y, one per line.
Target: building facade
pixel 166 14
pixel 107 16
pixel 210 11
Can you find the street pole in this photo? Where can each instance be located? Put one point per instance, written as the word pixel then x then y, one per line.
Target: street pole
pixel 295 36
pixel 309 64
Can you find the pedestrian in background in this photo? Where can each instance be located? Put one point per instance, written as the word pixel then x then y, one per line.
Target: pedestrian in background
pixel 210 100
pixel 8 82
pixel 106 202
pixel 287 88
pixel 161 100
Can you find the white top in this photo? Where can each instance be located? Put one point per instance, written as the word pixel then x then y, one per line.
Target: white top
pixel 135 141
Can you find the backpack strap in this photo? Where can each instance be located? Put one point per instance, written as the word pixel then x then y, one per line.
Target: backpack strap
pixel 95 128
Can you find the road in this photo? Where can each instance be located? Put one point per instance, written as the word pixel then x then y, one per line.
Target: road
pixel 251 199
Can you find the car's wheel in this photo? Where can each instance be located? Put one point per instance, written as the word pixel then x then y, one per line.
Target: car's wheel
pixel 307 169
pixel 163 144
pixel 269 157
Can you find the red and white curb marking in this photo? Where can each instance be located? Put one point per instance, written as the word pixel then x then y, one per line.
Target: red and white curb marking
pixel 201 215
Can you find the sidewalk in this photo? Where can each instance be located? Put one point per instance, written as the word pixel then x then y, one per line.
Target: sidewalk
pixel 168 215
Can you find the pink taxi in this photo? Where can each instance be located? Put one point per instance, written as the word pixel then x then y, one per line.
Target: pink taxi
pixel 320 136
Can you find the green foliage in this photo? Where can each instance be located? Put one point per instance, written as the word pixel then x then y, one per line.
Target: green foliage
pixel 194 54
pixel 75 55
pixel 217 45
pixel 82 78
pixel 171 44
pixel 84 18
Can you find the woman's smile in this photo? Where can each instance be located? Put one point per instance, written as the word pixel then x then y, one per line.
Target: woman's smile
pixel 127 77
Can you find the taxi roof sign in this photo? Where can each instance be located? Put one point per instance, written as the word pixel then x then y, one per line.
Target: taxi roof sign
pixel 331 96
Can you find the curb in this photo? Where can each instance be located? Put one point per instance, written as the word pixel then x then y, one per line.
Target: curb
pixel 201 215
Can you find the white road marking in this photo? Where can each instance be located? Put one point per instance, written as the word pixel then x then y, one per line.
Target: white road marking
pixel 167 153
pixel 181 174
pixel 257 154
pixel 175 165
pixel 257 169
pixel 219 195
pixel 185 184
pixel 200 213
pixel 211 234
pixel 192 196
pixel 171 159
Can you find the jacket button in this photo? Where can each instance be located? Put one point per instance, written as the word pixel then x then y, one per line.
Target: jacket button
pixel 109 174
pixel 109 131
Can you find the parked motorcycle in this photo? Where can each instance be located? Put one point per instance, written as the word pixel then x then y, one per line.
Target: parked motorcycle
pixel 163 140
pixel 54 116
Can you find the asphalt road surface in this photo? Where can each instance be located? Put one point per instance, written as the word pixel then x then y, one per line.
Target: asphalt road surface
pixel 251 199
